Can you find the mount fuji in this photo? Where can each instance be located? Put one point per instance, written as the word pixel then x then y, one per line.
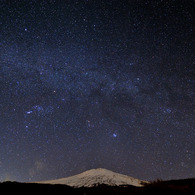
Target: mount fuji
pixel 95 177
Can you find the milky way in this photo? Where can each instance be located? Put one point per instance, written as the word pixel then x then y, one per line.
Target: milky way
pixel 89 84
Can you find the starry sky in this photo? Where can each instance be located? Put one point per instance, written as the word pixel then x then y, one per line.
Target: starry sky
pixel 96 83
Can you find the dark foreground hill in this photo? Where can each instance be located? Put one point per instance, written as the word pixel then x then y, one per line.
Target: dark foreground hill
pixel 186 186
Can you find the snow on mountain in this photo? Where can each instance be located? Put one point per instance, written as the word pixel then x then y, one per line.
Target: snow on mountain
pixel 96 176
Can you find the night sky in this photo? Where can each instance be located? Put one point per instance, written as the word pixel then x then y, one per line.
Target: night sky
pixel 96 83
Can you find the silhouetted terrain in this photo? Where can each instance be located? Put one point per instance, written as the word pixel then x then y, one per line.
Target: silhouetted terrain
pixel 186 186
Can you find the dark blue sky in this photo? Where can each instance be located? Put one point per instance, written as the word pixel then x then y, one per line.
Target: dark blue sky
pixel 89 83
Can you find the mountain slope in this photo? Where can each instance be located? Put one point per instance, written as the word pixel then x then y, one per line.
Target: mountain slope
pixel 96 176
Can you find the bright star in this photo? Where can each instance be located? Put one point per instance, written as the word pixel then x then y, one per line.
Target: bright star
pixel 29 112
pixel 114 135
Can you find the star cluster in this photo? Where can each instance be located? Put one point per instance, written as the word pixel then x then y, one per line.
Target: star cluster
pixel 87 84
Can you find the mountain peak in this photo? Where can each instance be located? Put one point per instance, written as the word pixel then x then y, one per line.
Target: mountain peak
pixel 96 176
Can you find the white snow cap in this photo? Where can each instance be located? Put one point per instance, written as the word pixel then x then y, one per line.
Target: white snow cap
pixel 97 176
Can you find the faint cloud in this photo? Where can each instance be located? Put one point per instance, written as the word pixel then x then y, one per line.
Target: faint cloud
pixel 37 167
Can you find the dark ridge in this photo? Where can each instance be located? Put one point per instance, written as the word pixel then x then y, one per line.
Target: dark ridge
pixel 183 186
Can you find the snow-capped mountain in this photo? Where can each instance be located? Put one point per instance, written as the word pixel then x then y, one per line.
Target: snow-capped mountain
pixel 96 176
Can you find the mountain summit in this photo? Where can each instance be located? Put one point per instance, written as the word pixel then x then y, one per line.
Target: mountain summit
pixel 96 176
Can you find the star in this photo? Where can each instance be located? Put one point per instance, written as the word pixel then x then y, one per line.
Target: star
pixel 29 112
pixel 114 135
